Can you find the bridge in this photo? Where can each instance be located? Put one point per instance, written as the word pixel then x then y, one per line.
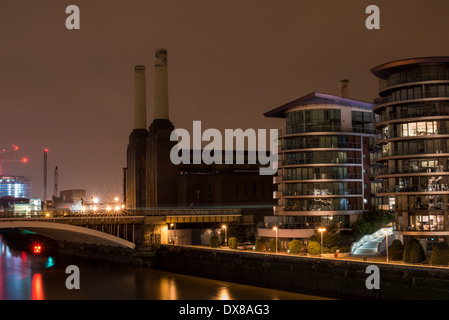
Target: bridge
pixel 122 229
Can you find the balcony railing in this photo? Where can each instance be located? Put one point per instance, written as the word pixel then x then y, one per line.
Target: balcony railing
pixel 410 78
pixel 386 171
pixel 320 208
pixel 407 115
pixel 421 134
pixel 326 176
pixel 342 145
pixel 397 189
pixel 322 161
pixel 284 132
pixel 317 192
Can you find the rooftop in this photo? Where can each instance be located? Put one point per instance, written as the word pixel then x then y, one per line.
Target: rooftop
pixel 317 98
pixel 382 70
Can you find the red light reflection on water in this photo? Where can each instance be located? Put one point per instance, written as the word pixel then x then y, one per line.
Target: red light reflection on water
pixel 37 291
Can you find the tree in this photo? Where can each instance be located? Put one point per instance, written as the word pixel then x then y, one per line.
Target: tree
pixel 295 246
pixel 273 247
pixel 332 237
pixel 232 243
pixel 240 232
pixel 413 251
pixel 396 250
pixel 314 247
pixel 213 241
pixel 260 245
pixel 371 221
pixel 440 254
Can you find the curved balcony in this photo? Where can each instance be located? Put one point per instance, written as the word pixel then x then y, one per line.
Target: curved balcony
pixel 406 77
pixel 380 103
pixel 409 191
pixel 435 117
pixel 324 130
pixel 324 177
pixel 409 172
pixel 318 212
pixel 412 156
pixel 320 161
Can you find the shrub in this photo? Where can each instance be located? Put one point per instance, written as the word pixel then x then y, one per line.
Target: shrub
pixel 345 249
pixel 333 249
pixel 214 241
pixel 314 247
pixel 413 252
pixel 232 243
pixel 272 246
pixel 260 245
pixel 396 250
pixel 295 246
pixel 440 254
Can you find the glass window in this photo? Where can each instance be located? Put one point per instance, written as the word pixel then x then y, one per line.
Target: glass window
pixel 417 92
pixel 411 129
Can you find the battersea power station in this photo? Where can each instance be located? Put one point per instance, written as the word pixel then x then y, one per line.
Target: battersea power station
pixel 195 197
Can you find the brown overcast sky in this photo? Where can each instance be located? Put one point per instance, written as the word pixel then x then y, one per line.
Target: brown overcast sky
pixel 71 91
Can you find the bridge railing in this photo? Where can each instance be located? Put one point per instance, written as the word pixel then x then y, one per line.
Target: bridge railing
pixel 123 212
pixel 193 211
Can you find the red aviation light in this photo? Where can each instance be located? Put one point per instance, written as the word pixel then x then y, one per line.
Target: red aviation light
pixel 25 160
pixel 37 248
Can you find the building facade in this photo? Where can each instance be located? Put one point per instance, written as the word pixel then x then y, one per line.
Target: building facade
pixel 412 116
pixel 324 165
pixel 15 186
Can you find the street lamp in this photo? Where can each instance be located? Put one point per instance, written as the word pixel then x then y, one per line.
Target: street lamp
pixel 226 234
pixel 173 225
pixel 386 233
pixel 276 229
pixel 321 230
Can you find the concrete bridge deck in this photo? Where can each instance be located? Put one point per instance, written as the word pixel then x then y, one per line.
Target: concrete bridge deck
pixel 117 229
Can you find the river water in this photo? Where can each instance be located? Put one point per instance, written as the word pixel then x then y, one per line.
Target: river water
pixel 26 276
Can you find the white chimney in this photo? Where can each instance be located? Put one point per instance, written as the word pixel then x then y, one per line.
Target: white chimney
pixel 140 98
pixel 344 88
pixel 161 85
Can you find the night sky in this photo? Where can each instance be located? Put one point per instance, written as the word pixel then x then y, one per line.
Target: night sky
pixel 71 91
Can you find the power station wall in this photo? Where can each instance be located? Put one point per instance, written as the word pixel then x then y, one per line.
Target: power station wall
pixel 136 176
pixel 162 173
pixel 224 189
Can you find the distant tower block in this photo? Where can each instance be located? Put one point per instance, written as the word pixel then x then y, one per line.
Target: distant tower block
pixel 344 89
pixel 161 85
pixel 140 99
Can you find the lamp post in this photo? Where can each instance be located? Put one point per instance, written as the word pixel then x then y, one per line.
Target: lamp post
pixel 226 234
pixel 321 230
pixel 173 225
pixel 386 233
pixel 276 229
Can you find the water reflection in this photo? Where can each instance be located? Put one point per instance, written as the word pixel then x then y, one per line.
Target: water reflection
pixel 168 289
pixel 223 293
pixel 26 276
pixel 37 291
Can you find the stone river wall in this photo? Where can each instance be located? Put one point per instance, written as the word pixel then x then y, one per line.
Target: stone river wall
pixel 334 278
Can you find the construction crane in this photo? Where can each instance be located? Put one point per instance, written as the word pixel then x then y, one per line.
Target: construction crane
pixel 5 163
